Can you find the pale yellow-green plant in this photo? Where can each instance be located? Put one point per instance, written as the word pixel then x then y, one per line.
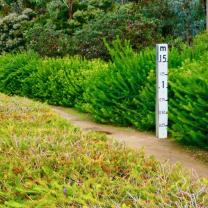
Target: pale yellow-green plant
pixel 46 162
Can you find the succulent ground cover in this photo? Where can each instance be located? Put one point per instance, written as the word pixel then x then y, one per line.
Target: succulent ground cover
pixel 46 162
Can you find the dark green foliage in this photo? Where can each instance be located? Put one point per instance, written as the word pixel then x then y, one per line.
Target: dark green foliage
pixel 12 28
pixel 189 103
pixel 72 27
pixel 126 22
pixel 47 41
pixel 177 18
pixel 188 18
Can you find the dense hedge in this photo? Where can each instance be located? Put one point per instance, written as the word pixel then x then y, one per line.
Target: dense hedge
pixel 58 81
pixel 110 93
pixel 189 103
pixel 125 94
pixel 63 81
pixel 122 91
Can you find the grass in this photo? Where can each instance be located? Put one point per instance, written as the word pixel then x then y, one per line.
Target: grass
pixel 46 162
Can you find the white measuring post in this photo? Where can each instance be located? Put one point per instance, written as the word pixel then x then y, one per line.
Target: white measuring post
pixel 162 91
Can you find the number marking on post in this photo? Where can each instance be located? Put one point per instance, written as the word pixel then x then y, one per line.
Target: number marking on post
pixel 162 91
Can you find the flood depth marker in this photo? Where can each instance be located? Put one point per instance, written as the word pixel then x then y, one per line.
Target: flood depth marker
pixel 162 91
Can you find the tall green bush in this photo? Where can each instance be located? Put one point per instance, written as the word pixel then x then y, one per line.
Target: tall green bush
pixel 189 103
pixel 110 94
pixel 143 116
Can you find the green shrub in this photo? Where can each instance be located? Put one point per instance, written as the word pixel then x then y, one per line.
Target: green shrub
pixel 143 116
pixel 189 103
pixel 58 81
pixel 15 70
pixel 62 81
pixel 124 94
pixel 111 92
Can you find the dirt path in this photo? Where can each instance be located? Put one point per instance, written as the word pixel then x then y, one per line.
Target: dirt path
pixel 162 149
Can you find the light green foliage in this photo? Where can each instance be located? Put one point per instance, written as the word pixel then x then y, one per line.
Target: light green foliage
pixel 124 94
pixel 143 116
pixel 62 81
pixel 49 163
pixel 119 96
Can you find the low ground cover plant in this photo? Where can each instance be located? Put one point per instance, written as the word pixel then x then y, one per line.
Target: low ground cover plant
pixel 49 163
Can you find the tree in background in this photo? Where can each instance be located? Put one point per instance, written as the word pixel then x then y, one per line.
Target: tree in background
pixel 124 22
pixel 84 24
pixel 189 18
pixel 11 30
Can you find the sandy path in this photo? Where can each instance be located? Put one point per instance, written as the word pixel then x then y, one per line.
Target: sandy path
pixel 163 150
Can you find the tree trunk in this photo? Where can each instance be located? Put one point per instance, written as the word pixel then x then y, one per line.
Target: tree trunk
pixel 207 15
pixel 70 9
